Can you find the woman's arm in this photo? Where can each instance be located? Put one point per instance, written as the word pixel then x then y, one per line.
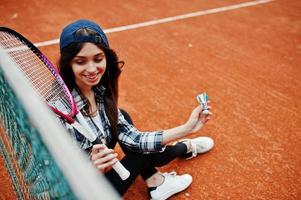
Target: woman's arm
pixel 155 141
pixel 195 122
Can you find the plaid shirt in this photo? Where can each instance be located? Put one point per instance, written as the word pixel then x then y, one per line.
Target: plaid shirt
pixel 142 142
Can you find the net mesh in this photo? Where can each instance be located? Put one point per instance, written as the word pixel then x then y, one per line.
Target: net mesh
pixel 39 71
pixel 33 171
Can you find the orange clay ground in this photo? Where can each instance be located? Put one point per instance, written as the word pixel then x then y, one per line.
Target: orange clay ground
pixel 248 60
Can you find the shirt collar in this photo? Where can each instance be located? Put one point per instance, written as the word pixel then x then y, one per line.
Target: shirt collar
pixel 81 101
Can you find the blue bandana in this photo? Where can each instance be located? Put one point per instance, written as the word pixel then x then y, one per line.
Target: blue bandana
pixel 68 35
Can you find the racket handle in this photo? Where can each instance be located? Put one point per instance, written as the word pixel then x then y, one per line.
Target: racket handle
pixel 118 167
pixel 121 170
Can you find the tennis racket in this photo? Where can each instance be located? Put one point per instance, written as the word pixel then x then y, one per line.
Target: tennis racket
pixel 49 85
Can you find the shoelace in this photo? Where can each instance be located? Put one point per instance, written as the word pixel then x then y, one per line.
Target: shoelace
pixel 193 148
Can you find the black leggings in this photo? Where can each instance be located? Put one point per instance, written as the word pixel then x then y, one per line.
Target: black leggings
pixel 143 164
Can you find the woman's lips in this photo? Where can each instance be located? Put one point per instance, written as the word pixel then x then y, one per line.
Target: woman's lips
pixel 93 77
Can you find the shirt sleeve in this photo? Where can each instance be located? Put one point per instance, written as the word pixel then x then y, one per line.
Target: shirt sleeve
pixel 137 141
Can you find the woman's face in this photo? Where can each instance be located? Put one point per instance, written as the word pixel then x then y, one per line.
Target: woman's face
pixel 88 66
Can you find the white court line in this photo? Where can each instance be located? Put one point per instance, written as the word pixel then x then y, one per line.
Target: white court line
pixel 170 19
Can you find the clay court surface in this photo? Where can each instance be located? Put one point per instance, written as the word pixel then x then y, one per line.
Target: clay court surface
pixel 247 59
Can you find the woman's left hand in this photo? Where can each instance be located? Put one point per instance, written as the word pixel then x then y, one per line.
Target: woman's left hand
pixel 197 119
pixel 102 157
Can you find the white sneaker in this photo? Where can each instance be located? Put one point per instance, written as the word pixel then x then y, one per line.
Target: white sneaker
pixel 172 184
pixel 199 145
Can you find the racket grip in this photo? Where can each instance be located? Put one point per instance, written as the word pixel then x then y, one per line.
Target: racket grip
pixel 118 167
pixel 121 170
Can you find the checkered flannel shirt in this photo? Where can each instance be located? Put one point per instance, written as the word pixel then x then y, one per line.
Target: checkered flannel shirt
pixel 135 140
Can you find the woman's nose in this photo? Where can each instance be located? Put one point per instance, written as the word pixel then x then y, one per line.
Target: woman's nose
pixel 91 66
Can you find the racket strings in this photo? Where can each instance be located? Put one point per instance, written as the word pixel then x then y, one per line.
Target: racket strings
pixel 36 68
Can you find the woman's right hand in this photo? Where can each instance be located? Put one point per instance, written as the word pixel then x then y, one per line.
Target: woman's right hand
pixel 197 119
pixel 102 157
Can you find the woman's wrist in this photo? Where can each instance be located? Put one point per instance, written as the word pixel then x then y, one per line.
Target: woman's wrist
pixel 189 128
